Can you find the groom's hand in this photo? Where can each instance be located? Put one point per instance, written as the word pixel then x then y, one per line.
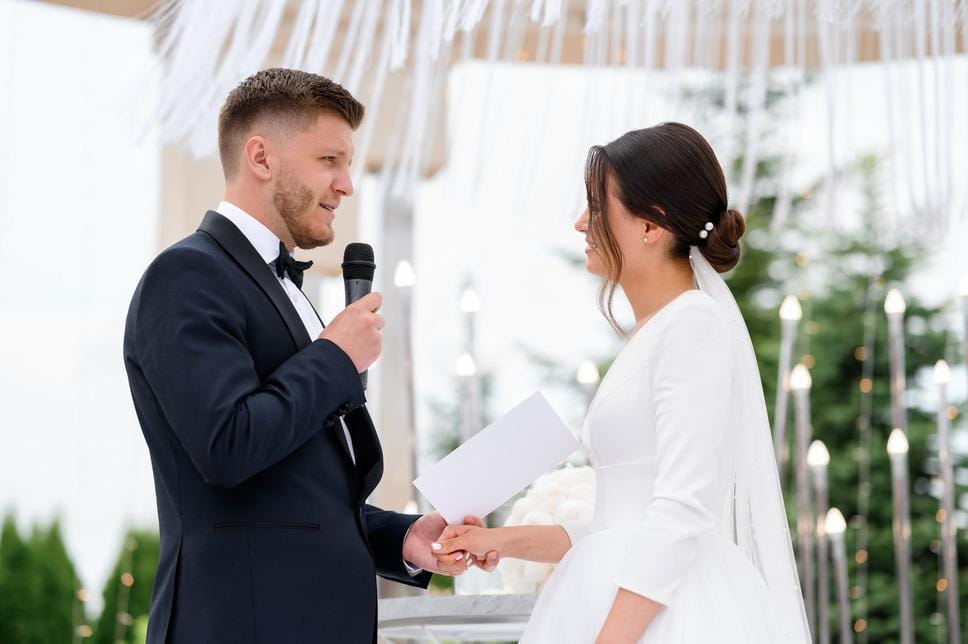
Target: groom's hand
pixel 416 547
pixel 425 531
pixel 356 330
pixel 480 553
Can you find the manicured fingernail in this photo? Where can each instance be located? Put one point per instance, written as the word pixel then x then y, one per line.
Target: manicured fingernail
pixel 436 546
pixel 458 557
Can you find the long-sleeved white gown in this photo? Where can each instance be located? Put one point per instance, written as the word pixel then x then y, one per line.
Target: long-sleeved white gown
pixel 655 435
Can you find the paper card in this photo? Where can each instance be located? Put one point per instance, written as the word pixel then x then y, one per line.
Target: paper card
pixel 498 462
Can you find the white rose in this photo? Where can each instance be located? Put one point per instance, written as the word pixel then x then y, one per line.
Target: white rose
pixel 537 573
pixel 573 510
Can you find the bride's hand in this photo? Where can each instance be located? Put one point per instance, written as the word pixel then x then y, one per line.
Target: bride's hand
pixel 473 539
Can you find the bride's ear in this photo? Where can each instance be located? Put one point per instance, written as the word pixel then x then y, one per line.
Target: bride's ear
pixel 651 233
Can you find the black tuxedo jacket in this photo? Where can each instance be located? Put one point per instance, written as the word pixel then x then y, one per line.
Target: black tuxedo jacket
pixel 265 533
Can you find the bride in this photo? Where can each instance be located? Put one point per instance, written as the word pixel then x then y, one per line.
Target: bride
pixel 689 542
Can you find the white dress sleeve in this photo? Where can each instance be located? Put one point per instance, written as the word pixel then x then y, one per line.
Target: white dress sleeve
pixel 691 392
pixel 576 529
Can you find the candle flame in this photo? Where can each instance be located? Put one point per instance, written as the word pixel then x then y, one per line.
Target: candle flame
pixel 942 373
pixel 818 455
pixel 897 443
pixel 835 523
pixel 894 303
pixel 800 378
pixel 790 309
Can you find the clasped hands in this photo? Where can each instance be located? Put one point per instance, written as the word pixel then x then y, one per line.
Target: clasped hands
pixel 449 549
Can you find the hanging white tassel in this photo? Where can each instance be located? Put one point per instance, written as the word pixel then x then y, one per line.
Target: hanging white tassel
pixel 349 40
pixel 828 11
pixel 193 62
pixel 536 148
pixel 761 54
pixel 413 141
pixel 296 49
pixel 365 48
pixel 327 18
pixel 451 17
pixel 400 33
pixel 473 12
pixel 775 9
pixel 784 194
pixel 209 47
pixel 435 32
pixel 595 16
pixel 374 101
pixel 921 52
pixel 736 12
pixel 552 12
pixel 536 8
pixel 708 7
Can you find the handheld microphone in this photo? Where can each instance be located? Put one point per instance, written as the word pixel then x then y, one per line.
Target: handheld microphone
pixel 358 269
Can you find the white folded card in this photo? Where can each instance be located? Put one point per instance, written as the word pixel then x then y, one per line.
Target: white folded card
pixel 498 462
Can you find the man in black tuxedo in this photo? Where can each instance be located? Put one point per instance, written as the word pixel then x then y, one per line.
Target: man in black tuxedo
pixel 262 450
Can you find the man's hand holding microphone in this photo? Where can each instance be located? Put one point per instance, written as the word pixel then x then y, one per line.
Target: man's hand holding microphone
pixel 356 330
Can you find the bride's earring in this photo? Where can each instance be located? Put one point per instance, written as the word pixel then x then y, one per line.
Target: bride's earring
pixel 645 240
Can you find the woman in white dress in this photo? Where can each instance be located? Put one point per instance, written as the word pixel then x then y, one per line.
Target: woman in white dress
pixel 689 542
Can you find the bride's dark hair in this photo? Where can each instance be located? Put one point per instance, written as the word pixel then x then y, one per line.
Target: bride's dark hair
pixel 668 175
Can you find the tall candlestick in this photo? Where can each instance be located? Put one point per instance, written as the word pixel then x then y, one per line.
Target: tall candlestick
pixel 404 278
pixel 466 369
pixel 790 314
pixel 897 448
pixel 800 383
pixel 818 458
pixel 949 552
pixel 834 527
pixel 470 304
pixel 895 306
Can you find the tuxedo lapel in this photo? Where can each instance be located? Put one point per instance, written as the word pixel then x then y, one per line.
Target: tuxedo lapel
pixel 238 247
pixel 366 446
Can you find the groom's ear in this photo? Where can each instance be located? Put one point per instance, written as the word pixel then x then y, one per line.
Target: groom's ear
pixel 255 157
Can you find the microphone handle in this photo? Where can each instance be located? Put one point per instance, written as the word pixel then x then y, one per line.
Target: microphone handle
pixel 354 289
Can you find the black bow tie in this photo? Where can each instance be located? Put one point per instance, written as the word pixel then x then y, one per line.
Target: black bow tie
pixel 286 265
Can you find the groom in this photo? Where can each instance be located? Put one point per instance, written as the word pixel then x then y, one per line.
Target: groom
pixel 262 449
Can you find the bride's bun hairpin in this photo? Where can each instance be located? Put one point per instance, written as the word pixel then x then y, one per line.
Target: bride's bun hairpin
pixel 703 234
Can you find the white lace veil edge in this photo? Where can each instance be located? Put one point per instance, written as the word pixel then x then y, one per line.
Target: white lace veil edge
pixel 755 515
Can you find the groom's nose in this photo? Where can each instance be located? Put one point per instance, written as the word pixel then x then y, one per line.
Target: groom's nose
pixel 343 184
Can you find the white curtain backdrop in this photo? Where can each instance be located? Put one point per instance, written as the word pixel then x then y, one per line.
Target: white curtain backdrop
pixel 79 183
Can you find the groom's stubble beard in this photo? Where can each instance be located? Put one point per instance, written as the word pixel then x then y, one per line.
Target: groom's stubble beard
pixel 296 204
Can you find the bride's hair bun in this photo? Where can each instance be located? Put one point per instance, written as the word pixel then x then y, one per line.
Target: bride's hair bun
pixel 721 247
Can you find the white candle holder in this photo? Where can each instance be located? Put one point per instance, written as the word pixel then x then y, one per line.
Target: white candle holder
pixel 834 527
pixel 818 458
pixel 949 550
pixel 897 448
pixel 800 383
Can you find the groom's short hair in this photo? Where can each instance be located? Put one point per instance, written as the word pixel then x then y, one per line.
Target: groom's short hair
pixel 287 97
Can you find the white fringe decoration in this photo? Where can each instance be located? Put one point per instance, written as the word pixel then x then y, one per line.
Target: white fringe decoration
pixel 207 48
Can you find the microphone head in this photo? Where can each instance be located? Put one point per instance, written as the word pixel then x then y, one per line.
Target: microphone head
pixel 358 262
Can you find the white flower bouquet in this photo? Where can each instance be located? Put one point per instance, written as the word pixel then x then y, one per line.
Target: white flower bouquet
pixel 562 495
